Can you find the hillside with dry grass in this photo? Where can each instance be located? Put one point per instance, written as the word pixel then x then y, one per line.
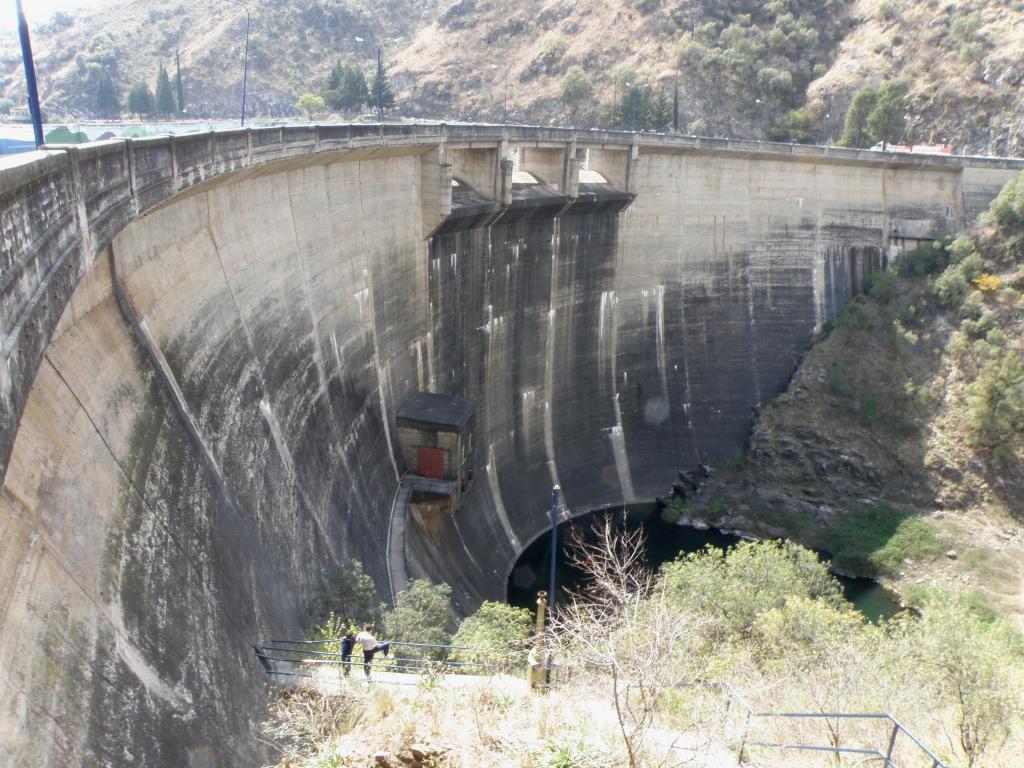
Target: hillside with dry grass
pixel 786 69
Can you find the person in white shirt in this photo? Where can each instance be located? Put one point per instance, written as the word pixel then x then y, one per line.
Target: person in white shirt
pixel 370 646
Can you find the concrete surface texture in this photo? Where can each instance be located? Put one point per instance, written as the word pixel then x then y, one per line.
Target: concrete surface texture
pixel 207 340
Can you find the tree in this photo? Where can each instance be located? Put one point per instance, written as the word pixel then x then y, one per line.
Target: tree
pixel 382 94
pixel 1008 207
pixel 887 120
pixel 972 659
pixel 995 403
pixel 6 105
pixel 575 87
pixel 422 614
pixel 140 100
pixel 732 588
pixel 165 103
pixel 310 104
pixel 828 660
pixel 108 101
pixel 346 88
pixel 347 592
pixel 496 635
pixel 855 129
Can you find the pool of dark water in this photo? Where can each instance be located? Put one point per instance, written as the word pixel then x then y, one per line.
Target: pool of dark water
pixel 665 542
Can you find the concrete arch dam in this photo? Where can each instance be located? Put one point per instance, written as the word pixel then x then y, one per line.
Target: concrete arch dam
pixel 207 338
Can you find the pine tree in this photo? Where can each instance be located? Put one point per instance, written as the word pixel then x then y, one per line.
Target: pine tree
pixel 140 100
pixel 108 101
pixel 887 121
pixel 382 94
pixel 855 130
pixel 165 103
pixel 354 92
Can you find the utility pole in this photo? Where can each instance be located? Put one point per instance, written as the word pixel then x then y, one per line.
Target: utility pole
pixel 30 77
pixel 504 108
pixel 554 547
pixel 245 59
pixel 675 106
pixel 380 87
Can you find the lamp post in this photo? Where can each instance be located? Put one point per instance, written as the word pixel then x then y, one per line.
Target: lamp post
pixel 632 108
pixel 245 59
pixel 554 547
pixel 30 77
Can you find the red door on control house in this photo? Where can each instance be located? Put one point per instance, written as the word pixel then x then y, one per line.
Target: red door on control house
pixel 431 462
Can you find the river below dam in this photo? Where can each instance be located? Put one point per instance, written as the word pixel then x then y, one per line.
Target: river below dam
pixel 665 542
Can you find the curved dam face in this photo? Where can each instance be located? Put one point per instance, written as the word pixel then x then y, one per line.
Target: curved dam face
pixel 207 341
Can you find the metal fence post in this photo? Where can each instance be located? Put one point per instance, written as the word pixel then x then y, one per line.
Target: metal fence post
pixel 892 744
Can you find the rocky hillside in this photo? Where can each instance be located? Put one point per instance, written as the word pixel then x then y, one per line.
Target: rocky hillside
pixel 785 69
pixel 899 443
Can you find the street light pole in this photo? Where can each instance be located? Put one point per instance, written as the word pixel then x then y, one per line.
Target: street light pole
pixel 30 77
pixel 245 59
pixel 554 547
pixel 504 107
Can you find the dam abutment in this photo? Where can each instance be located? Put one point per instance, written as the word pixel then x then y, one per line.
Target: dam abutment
pixel 207 338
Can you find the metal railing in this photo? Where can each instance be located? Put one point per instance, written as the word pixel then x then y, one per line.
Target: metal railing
pixel 886 756
pixel 298 652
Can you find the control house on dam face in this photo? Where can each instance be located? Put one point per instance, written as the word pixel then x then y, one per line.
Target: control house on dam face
pixel 211 344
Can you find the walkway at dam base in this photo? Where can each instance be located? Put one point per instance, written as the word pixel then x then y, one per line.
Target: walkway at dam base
pixel 207 340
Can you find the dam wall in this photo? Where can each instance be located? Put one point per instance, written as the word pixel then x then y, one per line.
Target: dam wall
pixel 206 340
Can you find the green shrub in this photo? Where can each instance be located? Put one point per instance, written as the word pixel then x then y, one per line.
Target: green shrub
pixel 839 380
pixel 869 407
pixel 672 512
pixel 882 285
pixel 995 402
pixel 951 287
pixel 928 259
pixel 332 628
pixel 575 86
pixel 731 588
pixel 497 634
pixel 1008 207
pixel 855 315
pixel 953 284
pixel 347 593
pixel 422 614
pixel 960 249
pixel 552 47
pixel 978 327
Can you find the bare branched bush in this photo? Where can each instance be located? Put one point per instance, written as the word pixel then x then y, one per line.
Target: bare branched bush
pixel 622 630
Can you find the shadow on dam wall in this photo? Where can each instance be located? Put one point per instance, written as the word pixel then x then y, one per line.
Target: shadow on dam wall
pixel 207 340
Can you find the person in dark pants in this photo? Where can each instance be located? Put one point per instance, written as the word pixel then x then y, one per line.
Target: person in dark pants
pixel 348 642
pixel 370 646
